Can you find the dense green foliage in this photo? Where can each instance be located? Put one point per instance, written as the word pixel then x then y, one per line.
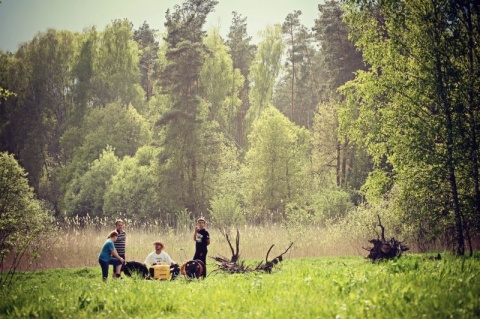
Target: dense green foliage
pixel 130 123
pixel 24 221
pixel 276 165
pixel 341 287
pixel 416 110
pixel 242 53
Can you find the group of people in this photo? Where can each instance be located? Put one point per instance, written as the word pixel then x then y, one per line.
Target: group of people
pixel 113 250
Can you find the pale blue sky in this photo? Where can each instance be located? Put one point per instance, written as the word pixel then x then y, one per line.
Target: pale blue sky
pixel 20 20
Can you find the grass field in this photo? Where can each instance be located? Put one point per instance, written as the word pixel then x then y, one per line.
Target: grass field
pixel 413 286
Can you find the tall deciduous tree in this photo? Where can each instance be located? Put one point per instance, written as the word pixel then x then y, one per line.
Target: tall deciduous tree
pixel 83 72
pixel 264 71
pixel 276 165
pixel 290 28
pixel 337 162
pixel 116 126
pixel 24 222
pixel 297 93
pixel 6 67
pixel 221 83
pixel 242 53
pixel 416 107
pixel 339 60
pixel 116 73
pixel 133 190
pixel 325 152
pixel 85 195
pixel 39 74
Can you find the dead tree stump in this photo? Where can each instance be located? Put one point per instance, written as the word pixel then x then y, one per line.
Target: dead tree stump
pixel 385 249
pixel 235 265
pixel 268 266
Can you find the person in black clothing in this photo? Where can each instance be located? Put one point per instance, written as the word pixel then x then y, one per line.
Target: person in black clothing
pixel 202 240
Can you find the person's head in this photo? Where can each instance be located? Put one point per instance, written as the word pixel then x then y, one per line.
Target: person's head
pixel 113 236
pixel 119 224
pixel 158 246
pixel 201 223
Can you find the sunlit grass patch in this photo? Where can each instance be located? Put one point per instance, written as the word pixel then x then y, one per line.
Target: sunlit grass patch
pixel 329 287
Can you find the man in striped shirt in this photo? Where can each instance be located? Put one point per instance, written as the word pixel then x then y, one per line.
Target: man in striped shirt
pixel 121 242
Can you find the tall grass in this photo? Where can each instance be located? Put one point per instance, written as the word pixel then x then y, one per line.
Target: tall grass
pixel 77 242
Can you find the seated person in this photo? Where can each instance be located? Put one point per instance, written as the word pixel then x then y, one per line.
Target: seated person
pixel 158 256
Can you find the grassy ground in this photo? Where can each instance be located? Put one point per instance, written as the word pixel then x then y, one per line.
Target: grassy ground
pixel 327 287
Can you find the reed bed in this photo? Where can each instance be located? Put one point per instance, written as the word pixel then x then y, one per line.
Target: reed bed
pixel 77 242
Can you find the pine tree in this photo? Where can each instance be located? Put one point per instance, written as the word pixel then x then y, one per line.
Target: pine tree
pixel 181 80
pixel 149 47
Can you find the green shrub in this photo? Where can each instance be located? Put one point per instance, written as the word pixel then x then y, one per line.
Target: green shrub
pixel 226 211
pixel 24 222
pixel 331 204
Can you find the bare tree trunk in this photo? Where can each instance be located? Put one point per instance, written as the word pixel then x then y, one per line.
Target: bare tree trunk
pixel 460 250
pixel 471 107
pixel 338 167
pixel 450 164
pixel 344 164
pixel 293 77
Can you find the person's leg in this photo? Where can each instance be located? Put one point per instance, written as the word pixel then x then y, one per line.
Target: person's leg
pixel 204 260
pixel 124 261
pixel 202 257
pixel 104 266
pixel 197 256
pixel 117 264
pixel 119 270
pixel 175 271
pixel 114 267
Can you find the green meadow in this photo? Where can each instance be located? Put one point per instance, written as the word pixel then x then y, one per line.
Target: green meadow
pixel 414 286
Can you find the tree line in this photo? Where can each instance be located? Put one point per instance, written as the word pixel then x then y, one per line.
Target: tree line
pixel 376 102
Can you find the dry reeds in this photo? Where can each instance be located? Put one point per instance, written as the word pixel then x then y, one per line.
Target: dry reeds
pixel 78 242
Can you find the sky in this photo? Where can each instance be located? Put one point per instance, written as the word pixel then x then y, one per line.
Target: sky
pixel 21 20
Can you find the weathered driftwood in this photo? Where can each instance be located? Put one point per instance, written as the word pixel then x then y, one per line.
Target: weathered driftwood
pixel 235 265
pixel 385 249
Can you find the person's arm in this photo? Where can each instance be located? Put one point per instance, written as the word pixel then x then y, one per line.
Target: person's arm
pixel 125 254
pixel 195 233
pixel 116 255
pixel 169 259
pixel 148 261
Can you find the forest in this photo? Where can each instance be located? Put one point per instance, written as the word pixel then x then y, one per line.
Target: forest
pixel 373 109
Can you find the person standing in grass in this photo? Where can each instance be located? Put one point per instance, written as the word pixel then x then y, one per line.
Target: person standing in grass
pixel 121 243
pixel 109 256
pixel 202 240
